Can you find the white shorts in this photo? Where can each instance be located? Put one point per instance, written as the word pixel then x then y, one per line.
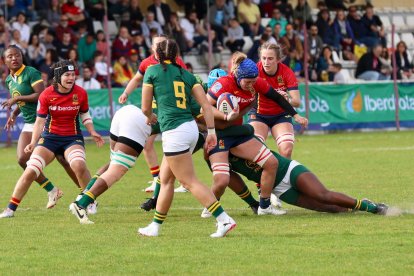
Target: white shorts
pixel 181 139
pixel 27 127
pixel 131 123
pixel 285 184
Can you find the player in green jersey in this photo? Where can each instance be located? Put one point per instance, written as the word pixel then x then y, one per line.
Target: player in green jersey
pixel 296 185
pixel 25 85
pixel 172 86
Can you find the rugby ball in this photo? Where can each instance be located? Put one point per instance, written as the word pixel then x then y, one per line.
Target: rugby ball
pixel 227 102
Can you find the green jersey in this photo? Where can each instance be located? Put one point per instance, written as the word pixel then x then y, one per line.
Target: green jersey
pixel 253 171
pixel 21 84
pixel 172 92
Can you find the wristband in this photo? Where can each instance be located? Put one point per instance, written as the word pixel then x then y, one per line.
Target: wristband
pixel 211 131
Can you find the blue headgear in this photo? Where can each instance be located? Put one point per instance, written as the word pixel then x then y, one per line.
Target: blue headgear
pixel 247 70
pixel 214 75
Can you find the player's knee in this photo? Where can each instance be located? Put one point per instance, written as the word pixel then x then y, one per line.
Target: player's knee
pixel 221 181
pixel 22 161
pixel 79 167
pixel 76 158
pixel 270 164
pixel 265 158
pixel 36 163
pixel 221 174
pixel 286 150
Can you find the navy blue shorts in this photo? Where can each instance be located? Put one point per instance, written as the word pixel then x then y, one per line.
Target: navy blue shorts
pixel 58 144
pixel 270 120
pixel 226 143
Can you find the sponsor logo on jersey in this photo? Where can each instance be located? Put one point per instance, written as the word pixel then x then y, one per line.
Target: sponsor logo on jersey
pixel 15 94
pixel 216 87
pixel 280 80
pixel 252 165
pixel 52 99
pixel 221 144
pixel 63 108
pixel 75 99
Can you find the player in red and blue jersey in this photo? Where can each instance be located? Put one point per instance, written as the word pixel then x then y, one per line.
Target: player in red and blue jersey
pixel 149 150
pixel 57 131
pixel 267 114
pixel 244 83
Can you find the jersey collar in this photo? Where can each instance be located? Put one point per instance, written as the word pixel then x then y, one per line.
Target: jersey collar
pixel 18 73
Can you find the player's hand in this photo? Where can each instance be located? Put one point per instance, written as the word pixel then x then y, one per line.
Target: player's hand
pixel 211 142
pixel 8 103
pixel 301 120
pixel 123 98
pixel 233 115
pixel 98 139
pixel 29 148
pixel 152 119
pixel 10 123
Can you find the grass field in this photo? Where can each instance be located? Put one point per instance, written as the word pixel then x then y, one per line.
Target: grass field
pixel 378 166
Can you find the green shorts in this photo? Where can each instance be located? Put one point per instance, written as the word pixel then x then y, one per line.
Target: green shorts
pixel 286 190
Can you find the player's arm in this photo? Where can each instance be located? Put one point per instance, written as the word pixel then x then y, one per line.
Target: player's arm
pixel 38 88
pixel 146 103
pixel 132 84
pixel 37 130
pixel 294 97
pixel 12 119
pixel 87 121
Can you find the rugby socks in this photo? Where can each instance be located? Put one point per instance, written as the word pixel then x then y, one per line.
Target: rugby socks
pixel 264 203
pixel 365 205
pixel 13 203
pixel 47 185
pixel 92 181
pixel 159 218
pixel 247 197
pixel 86 199
pixel 157 188
pixel 218 212
pixel 155 171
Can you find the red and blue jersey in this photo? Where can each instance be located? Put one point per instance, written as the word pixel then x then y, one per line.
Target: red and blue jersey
pixel 151 60
pixel 283 80
pixel 61 110
pixel 245 98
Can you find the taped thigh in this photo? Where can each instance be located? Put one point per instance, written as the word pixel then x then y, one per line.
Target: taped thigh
pixel 36 163
pixel 285 138
pixel 76 155
pixel 220 168
pixel 123 159
pixel 263 155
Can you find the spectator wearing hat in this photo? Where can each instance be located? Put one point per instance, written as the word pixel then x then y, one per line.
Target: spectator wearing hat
pixel 133 60
pixel 86 48
pixel 22 27
pixel 87 81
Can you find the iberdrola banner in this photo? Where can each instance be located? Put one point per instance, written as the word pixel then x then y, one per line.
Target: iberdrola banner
pixel 361 105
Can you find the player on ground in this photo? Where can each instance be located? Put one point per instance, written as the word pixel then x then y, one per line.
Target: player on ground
pixel 25 85
pixel 296 185
pixel 172 86
pixel 243 83
pixel 57 126
pixel 149 151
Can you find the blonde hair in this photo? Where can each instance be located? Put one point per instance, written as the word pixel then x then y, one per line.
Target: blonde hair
pixel 276 48
pixel 236 59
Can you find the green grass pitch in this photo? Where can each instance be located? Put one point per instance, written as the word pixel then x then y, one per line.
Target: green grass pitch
pixel 378 166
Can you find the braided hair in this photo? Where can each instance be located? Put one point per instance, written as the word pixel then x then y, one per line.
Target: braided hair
pixel 167 50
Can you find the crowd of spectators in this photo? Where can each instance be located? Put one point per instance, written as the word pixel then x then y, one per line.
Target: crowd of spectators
pixel 55 30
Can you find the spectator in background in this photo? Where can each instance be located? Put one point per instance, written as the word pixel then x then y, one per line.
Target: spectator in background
pixel 53 16
pixel 139 45
pixel 278 19
pixel 235 41
pixel 87 82
pixel 175 31
pixel 369 66
pixel 374 25
pixel 268 30
pixel 133 60
pixel 49 39
pixel 101 68
pixel 120 11
pixel 161 11
pixel 276 35
pixel 292 41
pixel 340 75
pixel 294 64
pixel 74 13
pixel 22 27
pixel 194 32
pixel 325 28
pixel 16 40
pixel 249 17
pixel 73 56
pixel 101 43
pixel 121 44
pixel 36 51
pixel 122 72
pixel 303 11
pixel 135 13
pixel 96 9
pixel 64 27
pixel 220 14
pixel 86 48
pixel 64 46
pixel 315 44
pixel 253 52
pixel 344 39
pixel 324 65
pixel 150 23
pixel 285 8
pixel 404 66
pixel 217 48
pixel 51 57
